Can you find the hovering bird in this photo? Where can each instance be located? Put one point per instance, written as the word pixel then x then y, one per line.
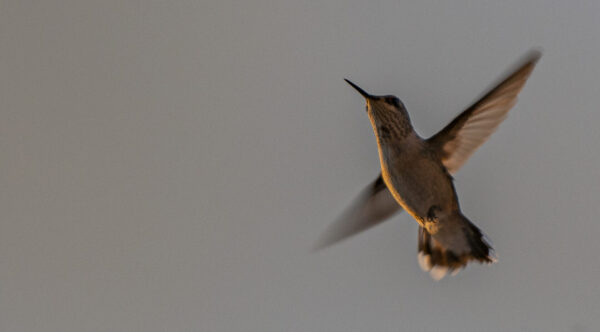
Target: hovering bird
pixel 416 175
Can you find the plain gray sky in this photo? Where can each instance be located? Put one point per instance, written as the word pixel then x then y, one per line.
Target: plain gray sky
pixel 167 165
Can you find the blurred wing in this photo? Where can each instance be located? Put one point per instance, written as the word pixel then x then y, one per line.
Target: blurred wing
pixel 372 206
pixel 459 139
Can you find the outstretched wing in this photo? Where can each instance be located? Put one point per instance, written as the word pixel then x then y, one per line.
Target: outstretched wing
pixel 372 206
pixel 459 139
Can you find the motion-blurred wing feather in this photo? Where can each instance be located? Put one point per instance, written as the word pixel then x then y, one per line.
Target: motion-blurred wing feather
pixel 459 139
pixel 372 206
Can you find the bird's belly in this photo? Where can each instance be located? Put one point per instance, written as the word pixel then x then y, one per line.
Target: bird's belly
pixel 419 185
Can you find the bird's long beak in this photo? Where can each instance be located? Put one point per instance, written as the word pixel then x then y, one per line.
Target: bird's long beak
pixel 361 91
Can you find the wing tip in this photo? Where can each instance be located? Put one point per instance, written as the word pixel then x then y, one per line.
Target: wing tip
pixel 534 55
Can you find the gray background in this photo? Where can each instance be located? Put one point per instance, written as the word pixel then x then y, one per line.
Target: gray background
pixel 167 165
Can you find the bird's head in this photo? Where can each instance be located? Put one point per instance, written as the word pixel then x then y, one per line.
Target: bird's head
pixel 387 113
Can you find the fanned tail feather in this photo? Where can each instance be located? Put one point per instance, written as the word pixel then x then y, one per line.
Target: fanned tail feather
pixel 456 243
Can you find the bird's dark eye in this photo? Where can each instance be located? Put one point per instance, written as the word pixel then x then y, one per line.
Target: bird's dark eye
pixel 393 101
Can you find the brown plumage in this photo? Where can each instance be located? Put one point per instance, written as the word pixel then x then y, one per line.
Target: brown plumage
pixel 416 175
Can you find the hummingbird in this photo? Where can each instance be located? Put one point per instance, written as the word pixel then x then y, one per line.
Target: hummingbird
pixel 416 175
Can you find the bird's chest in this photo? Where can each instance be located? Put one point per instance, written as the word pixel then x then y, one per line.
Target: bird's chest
pixel 416 181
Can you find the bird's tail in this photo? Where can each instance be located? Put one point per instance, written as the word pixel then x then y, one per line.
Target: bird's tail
pixel 450 245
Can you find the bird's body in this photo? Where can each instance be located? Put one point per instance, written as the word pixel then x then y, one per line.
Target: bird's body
pixel 416 178
pixel 416 173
